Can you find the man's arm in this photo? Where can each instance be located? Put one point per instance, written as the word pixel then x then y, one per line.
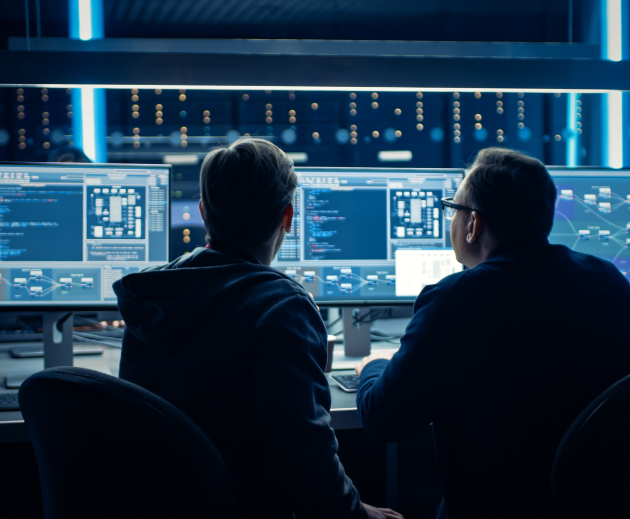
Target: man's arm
pixel 396 399
pixel 293 401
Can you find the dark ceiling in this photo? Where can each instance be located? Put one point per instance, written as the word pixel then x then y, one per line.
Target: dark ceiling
pixel 445 20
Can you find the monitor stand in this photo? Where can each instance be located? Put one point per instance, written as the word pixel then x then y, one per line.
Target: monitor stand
pixel 58 342
pixel 356 335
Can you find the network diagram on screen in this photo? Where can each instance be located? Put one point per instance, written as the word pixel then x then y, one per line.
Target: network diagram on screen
pixel 68 232
pixel 369 235
pixel 593 214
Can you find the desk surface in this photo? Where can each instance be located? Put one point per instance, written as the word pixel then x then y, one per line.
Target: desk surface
pixel 12 429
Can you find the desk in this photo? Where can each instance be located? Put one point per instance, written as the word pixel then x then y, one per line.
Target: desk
pixel 343 410
pixel 12 429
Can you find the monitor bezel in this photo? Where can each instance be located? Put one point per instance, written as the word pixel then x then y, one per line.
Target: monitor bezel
pixel 88 307
pixel 380 302
pixel 299 169
pixel 587 169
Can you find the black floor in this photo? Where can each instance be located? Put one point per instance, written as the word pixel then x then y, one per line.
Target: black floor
pixel 418 492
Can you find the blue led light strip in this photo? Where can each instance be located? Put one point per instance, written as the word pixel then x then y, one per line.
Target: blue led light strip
pixel 89 123
pixel 573 138
pixel 614 47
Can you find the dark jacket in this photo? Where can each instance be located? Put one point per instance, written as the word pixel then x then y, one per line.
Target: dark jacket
pixel 502 358
pixel 240 348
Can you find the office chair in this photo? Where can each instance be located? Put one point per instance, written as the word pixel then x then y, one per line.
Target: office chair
pixel 591 471
pixel 108 448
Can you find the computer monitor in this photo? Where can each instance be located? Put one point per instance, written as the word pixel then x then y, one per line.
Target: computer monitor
pixel 369 236
pixel 593 213
pixel 69 231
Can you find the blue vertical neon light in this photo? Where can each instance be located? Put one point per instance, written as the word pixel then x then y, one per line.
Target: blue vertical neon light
pixel 89 123
pixel 614 47
pixel 573 138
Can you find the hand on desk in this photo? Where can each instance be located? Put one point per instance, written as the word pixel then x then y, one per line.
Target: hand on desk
pixel 381 513
pixel 378 354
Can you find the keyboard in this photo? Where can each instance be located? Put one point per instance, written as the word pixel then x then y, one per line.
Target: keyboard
pixel 20 336
pixel 348 383
pixel 9 402
pixel 28 352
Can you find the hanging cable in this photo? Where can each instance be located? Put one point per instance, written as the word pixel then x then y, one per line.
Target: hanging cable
pixel 77 336
pixel 97 323
pixel 374 315
pixel 99 337
pixel 330 326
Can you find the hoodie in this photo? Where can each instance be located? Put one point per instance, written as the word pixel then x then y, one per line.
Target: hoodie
pixel 240 348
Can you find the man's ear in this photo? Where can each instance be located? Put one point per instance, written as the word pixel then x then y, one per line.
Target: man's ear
pixel 287 218
pixel 201 211
pixel 475 227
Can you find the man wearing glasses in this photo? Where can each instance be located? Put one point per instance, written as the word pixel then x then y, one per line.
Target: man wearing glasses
pixel 502 357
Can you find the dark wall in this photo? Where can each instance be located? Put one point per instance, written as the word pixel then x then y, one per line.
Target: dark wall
pixel 439 20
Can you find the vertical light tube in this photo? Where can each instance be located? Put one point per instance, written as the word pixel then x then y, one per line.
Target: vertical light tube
pixel 615 129
pixel 613 30
pixel 89 124
pixel 572 140
pixel 613 43
pixel 87 121
pixel 85 19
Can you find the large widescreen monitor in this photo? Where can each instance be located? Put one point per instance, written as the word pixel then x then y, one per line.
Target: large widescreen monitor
pixel 68 231
pixel 369 236
pixel 593 213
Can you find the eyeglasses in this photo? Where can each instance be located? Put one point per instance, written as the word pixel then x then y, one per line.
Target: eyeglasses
pixel 449 208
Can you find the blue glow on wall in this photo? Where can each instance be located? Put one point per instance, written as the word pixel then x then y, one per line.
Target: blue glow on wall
pixel 573 136
pixel 89 123
pixel 614 47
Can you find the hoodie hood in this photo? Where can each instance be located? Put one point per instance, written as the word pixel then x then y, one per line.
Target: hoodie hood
pixel 159 304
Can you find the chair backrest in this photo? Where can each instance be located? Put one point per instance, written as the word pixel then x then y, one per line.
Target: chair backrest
pixel 591 470
pixel 108 448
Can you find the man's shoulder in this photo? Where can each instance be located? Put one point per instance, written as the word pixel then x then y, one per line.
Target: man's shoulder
pixel 582 260
pixel 460 280
pixel 278 294
pixel 433 294
pixel 278 283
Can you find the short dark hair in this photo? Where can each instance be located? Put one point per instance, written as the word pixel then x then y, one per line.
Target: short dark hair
pixel 244 190
pixel 68 154
pixel 514 192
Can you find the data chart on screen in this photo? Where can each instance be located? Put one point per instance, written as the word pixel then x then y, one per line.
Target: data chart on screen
pixel 353 230
pixel 592 213
pixel 69 231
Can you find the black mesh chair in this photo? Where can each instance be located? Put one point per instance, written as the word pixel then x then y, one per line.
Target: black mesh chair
pixel 591 470
pixel 108 448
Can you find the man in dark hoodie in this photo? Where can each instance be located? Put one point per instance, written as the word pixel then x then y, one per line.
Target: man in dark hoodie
pixel 240 348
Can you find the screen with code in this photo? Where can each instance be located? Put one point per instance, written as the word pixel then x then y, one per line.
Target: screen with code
pixel 369 235
pixel 68 231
